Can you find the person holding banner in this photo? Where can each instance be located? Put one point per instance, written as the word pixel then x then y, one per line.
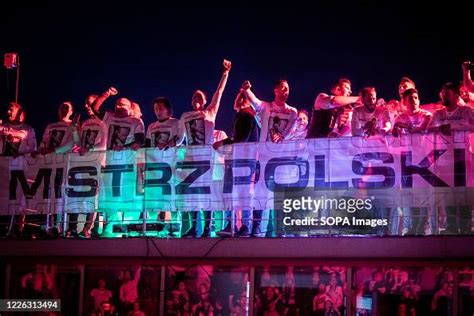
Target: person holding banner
pixel 124 131
pixel 276 120
pixel 16 138
pixel 93 138
pixel 413 120
pixel 453 117
pixel 62 136
pixel 198 126
pixel 332 113
pixel 245 129
pixel 163 134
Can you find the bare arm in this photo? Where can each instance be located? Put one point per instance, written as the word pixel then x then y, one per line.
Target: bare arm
pixel 137 275
pixel 324 101
pixel 216 98
pixel 181 131
pixel 467 80
pixel 101 99
pixel 256 102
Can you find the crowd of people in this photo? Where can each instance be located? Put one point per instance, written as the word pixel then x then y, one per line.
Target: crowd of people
pixel 403 291
pixel 130 291
pixel 334 114
pixel 286 290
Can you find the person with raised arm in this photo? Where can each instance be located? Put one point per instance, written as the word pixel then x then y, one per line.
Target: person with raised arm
pixel 198 126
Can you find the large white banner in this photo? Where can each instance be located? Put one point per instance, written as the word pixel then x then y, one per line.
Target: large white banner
pixel 412 171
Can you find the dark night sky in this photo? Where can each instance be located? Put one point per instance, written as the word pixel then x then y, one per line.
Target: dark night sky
pixel 69 51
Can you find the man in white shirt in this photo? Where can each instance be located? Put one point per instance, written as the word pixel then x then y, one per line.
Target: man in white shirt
pixel 93 138
pixel 62 136
pixel 16 137
pixel 124 131
pixel 277 118
pixel 331 114
pixel 414 120
pixel 163 134
pixel 397 107
pixel 198 126
pixel 453 116
pixel 370 119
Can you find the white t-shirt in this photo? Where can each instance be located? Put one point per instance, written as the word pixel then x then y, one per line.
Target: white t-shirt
pixel 198 127
pixel 94 134
pixel 460 119
pixel 16 139
pixel 121 131
pixel 57 135
pixel 268 112
pixel 161 133
pixel 414 120
pixel 360 117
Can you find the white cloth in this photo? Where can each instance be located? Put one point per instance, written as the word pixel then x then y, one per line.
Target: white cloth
pixel 161 133
pixel 16 139
pixel 198 127
pixel 121 130
pixel 267 112
pixel 415 120
pixel 57 135
pixel 360 117
pixel 459 119
pixel 94 134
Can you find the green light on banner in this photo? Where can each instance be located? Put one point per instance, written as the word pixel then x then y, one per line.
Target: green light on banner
pixel 181 153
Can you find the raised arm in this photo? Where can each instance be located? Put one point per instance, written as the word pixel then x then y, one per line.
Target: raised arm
pixel 216 98
pixel 256 102
pixel 324 101
pixel 101 99
pixel 467 80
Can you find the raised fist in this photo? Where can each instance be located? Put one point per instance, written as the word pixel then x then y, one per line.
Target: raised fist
pixel 246 85
pixel 112 91
pixel 227 65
